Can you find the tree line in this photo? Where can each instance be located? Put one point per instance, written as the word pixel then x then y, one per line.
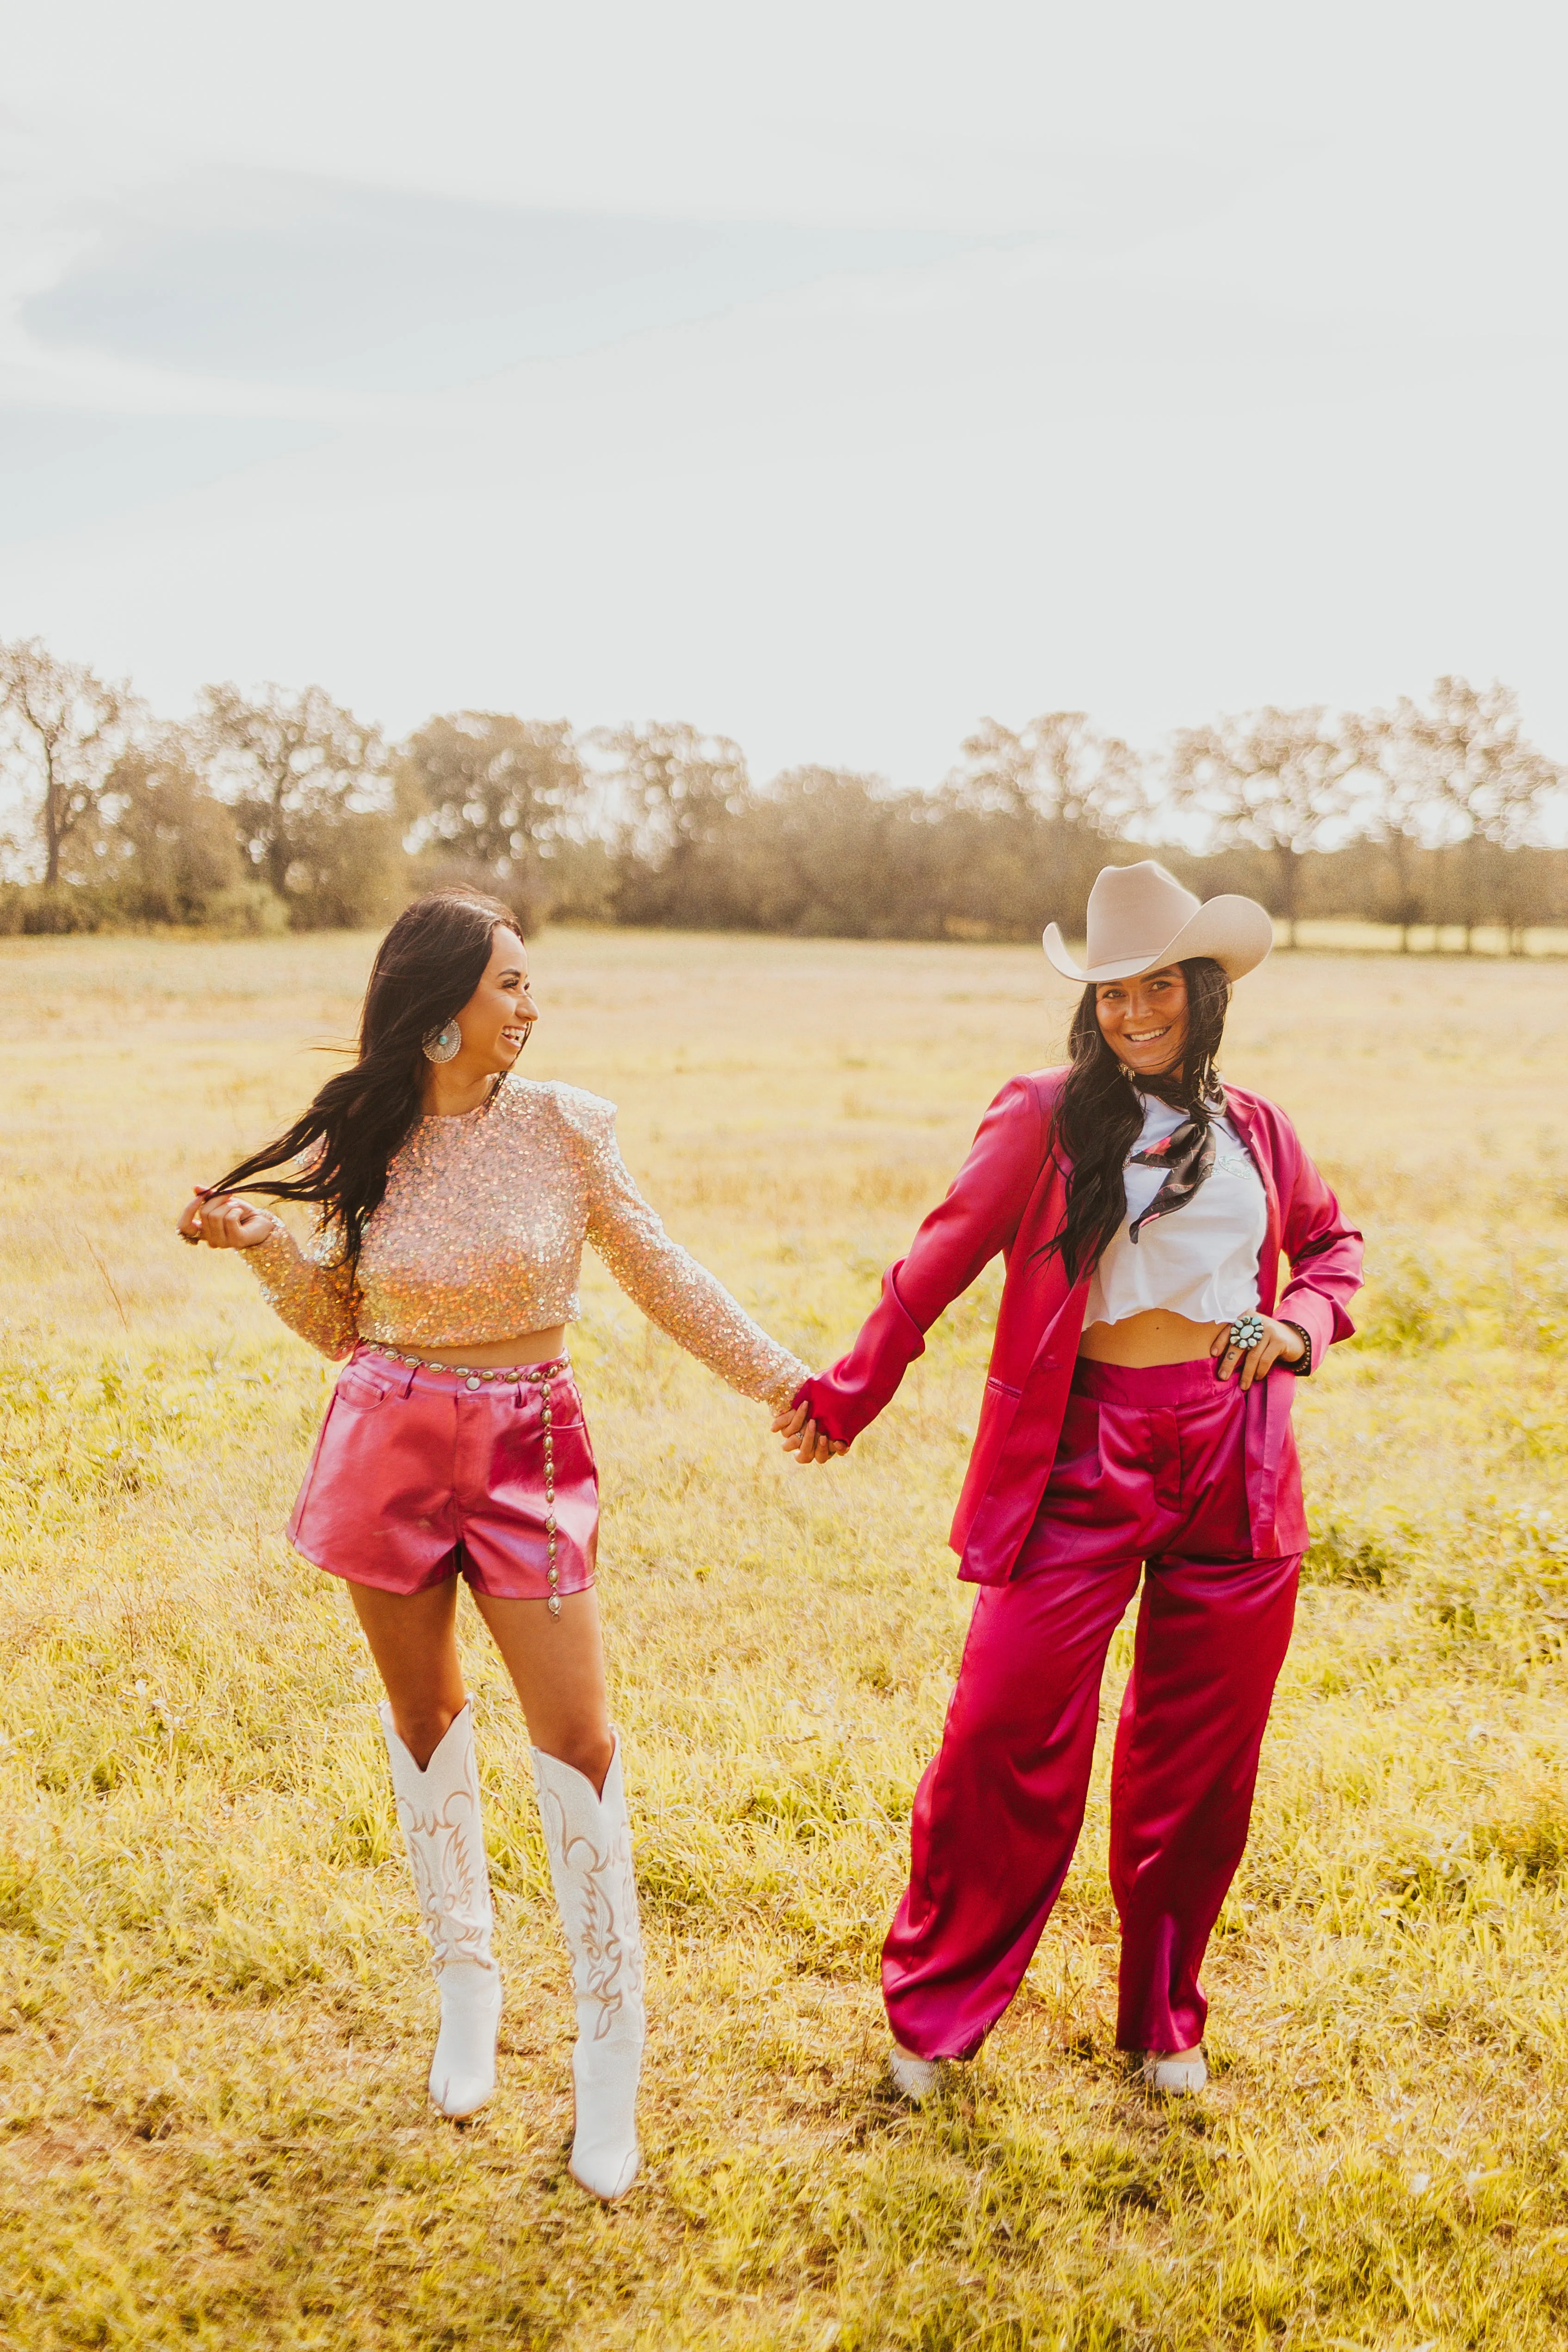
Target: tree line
pixel 275 810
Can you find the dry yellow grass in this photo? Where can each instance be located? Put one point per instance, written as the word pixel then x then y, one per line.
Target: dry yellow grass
pixel 214 2011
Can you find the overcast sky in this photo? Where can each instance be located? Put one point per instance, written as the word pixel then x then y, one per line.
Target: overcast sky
pixel 827 376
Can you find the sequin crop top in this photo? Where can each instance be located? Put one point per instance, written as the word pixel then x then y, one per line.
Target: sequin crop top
pixel 480 1238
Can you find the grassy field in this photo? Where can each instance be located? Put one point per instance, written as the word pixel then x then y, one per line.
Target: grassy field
pixel 215 2018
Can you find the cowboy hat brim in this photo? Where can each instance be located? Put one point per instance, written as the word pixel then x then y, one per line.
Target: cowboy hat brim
pixel 1235 931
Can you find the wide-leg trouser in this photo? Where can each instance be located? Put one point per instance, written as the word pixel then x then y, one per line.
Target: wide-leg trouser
pixel 1149 1473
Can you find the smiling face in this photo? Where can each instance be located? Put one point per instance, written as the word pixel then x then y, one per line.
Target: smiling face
pixel 1144 1021
pixel 497 1018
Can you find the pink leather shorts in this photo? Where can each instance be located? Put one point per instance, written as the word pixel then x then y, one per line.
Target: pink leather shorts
pixel 421 1473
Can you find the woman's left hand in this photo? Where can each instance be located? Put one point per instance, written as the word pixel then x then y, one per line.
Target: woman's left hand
pixel 1281 1344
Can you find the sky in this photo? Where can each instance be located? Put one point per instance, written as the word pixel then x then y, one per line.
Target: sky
pixel 828 377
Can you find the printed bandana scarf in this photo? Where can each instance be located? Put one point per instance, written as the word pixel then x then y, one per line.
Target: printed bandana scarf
pixel 1187 1157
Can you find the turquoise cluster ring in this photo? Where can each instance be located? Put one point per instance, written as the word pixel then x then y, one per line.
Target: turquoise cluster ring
pixel 1247 1332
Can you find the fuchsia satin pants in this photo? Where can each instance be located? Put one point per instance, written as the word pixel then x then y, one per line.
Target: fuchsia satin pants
pixel 1149 1473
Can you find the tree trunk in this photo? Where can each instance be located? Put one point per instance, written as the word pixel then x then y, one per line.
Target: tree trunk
pixel 50 812
pixel 277 858
pixel 1407 897
pixel 1289 890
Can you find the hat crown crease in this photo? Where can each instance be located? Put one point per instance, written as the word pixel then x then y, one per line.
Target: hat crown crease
pixel 1135 910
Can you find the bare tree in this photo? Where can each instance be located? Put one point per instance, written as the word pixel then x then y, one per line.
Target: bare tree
pixel 170 845
pixel 1030 813
pixel 308 784
pixel 1058 768
pixel 675 783
pixel 1273 780
pixel 674 791
pixel 1405 813
pixel 64 728
pixel 491 790
pixel 832 852
pixel 1493 786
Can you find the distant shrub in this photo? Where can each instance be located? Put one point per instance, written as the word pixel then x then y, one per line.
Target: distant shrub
pixel 32 911
pixel 246 910
pixel 1534 1301
pixel 1534 1844
pixel 1339 1555
pixel 1410 1302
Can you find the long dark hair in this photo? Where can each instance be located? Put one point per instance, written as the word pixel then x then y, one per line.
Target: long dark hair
pixel 1099 1114
pixel 425 969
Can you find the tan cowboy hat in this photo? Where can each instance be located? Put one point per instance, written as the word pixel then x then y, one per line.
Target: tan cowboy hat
pixel 1139 918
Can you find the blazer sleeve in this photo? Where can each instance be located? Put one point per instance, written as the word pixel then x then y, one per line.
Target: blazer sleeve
pixel 1324 1255
pixel 979 1217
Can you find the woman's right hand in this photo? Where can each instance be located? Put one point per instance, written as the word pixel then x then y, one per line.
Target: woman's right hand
pixel 802 1437
pixel 222 1222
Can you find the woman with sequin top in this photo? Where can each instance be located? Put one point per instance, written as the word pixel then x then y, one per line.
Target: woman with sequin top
pixel 453 1200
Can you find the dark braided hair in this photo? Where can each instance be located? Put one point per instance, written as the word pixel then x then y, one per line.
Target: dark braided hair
pixel 1099 1114
pixel 425 969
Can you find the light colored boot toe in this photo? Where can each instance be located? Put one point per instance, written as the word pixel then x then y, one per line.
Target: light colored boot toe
pixel 605 2159
pixel 913 2078
pixel 463 2070
pixel 1179 2076
pixel 606 2175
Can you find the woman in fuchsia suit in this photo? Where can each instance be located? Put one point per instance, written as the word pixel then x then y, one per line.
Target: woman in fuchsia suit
pixel 1136 1423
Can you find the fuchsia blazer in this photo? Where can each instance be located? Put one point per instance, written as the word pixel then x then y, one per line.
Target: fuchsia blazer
pixel 1010 1195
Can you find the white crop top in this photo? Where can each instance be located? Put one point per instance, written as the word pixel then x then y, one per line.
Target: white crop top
pixel 1200 1260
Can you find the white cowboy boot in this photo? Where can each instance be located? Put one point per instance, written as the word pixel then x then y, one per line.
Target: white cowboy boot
pixel 589 1840
pixel 439 1812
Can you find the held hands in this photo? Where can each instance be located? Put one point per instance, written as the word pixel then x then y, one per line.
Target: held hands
pixel 1281 1344
pixel 802 1437
pixel 224 1222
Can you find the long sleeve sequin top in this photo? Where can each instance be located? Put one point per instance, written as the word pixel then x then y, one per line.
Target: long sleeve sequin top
pixel 480 1238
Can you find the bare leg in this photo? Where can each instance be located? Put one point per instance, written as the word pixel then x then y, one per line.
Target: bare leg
pixel 557 1667
pixel 412 1639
